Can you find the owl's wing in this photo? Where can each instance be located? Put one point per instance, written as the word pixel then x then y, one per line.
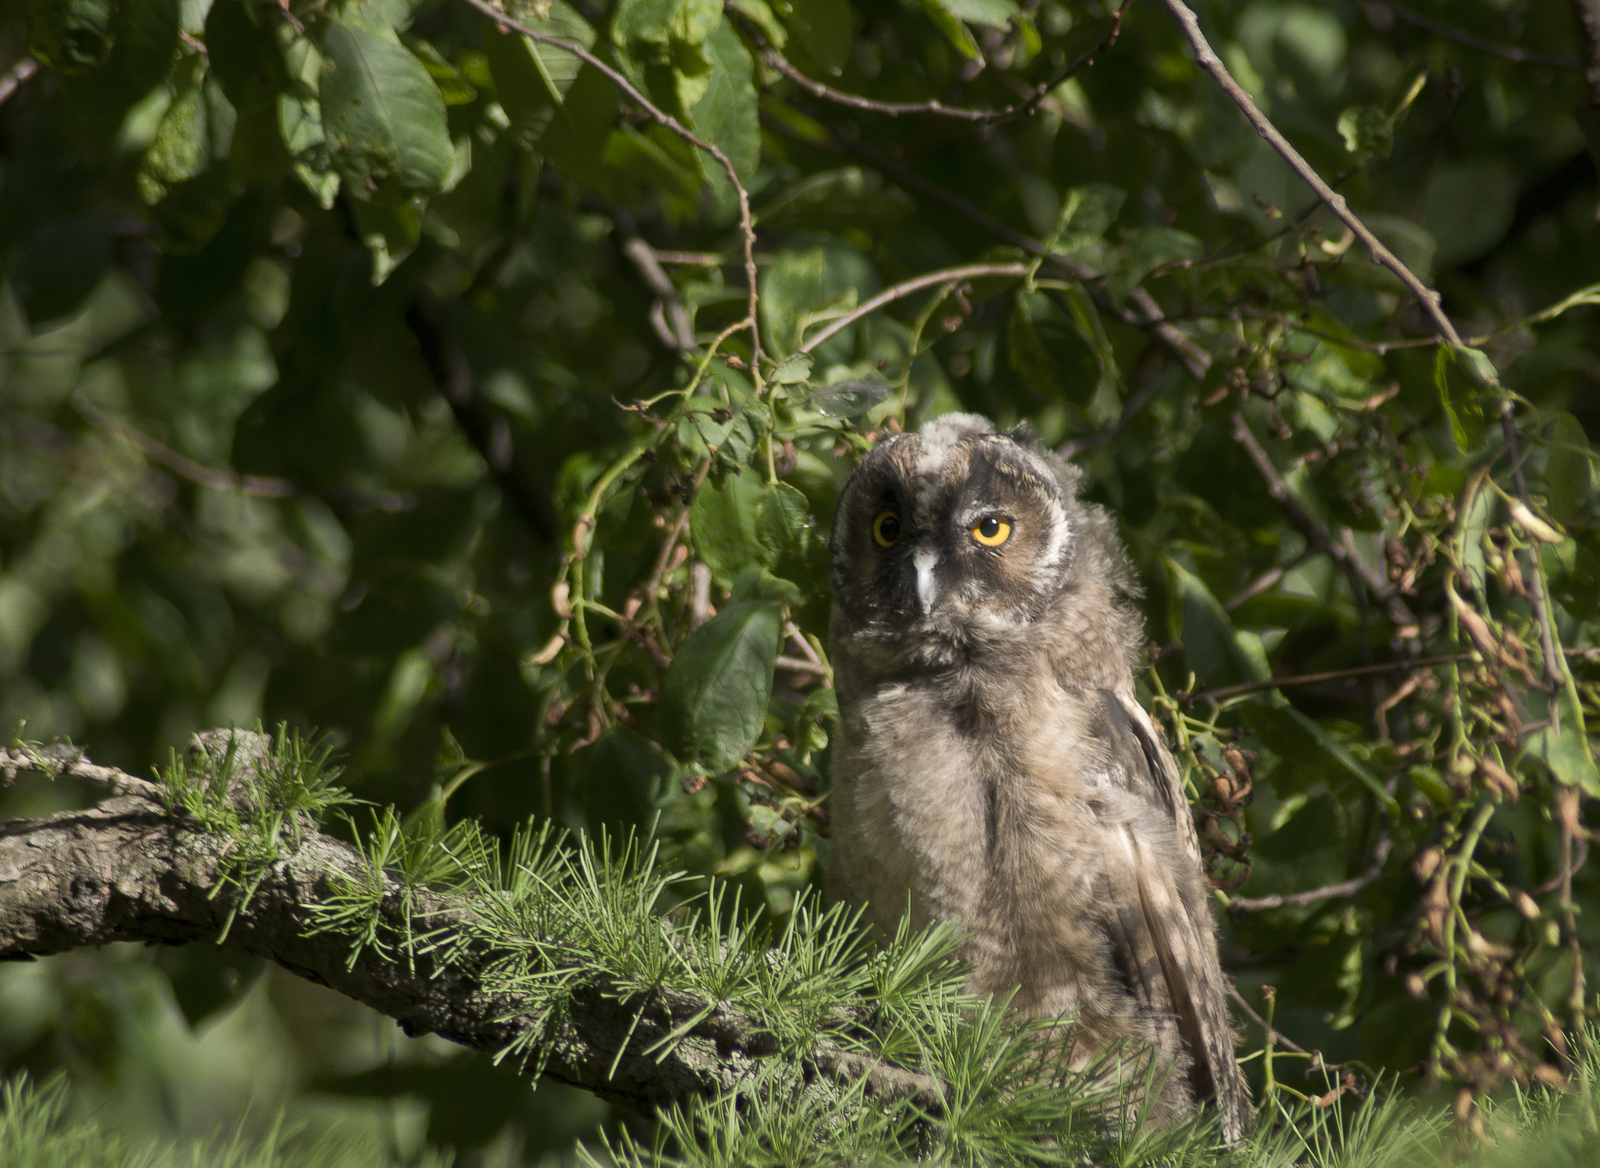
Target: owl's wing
pixel 1163 930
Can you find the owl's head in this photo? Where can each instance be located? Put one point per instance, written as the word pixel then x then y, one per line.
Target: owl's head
pixel 956 534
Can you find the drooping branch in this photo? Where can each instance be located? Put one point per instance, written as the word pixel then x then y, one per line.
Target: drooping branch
pixel 1207 57
pixel 126 870
pixel 1509 52
pixel 1316 895
pixel 916 284
pixel 746 224
pixel 934 108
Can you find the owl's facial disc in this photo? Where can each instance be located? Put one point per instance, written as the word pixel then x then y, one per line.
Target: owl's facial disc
pixel 951 536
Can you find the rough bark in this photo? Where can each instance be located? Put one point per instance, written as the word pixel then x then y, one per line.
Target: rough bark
pixel 128 871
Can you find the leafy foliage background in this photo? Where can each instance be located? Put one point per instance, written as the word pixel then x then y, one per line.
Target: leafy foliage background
pixel 364 368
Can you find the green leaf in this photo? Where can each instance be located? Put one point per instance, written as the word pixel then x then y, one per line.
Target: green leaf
pixel 1216 653
pixel 793 369
pixel 453 87
pixel 300 122
pixel 715 693
pixel 382 115
pixel 807 274
pixel 1460 383
pixel 992 13
pixel 390 232
pixel 841 200
pixel 195 134
pixel 954 31
pixel 532 78
pixel 1026 351
pixel 1151 248
pixel 726 115
pixel 1295 738
pixel 722 521
pixel 53 269
pixel 819 27
pixel 789 539
pixel 1567 754
pixel 1366 130
pixel 244 57
pixel 1086 213
pixel 577 135
pixel 71 36
pixel 1568 471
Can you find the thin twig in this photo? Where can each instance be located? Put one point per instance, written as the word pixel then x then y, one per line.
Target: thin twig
pixel 1229 691
pixel 1329 892
pixel 1276 1036
pixel 1211 63
pixel 934 107
pixel 1509 52
pixel 218 480
pixel 13 78
pixel 746 224
pixel 1152 384
pixel 1148 315
pixel 927 279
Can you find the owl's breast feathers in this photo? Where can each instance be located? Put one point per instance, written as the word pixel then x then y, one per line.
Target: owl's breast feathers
pixel 1050 822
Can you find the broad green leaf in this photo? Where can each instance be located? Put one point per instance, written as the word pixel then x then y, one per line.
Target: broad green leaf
pixel 244 57
pixel 1294 737
pixel 1469 205
pixel 531 78
pixel 390 232
pixel 993 13
pixel 55 267
pixel 300 122
pixel 808 273
pixel 1568 471
pixel 576 137
pixel 651 163
pixel 1216 653
pixel 453 87
pixel 1151 248
pixel 1026 351
pixel 723 522
pixel 1479 514
pixel 714 696
pixel 1460 385
pixel 382 115
pixel 195 134
pixel 1366 130
pixel 1086 213
pixel 793 369
pixel 71 36
pixel 849 398
pixel 841 200
pixel 957 33
pixel 1567 754
pixel 819 27
pixel 726 115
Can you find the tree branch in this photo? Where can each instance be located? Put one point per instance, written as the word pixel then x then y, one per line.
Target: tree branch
pixel 1329 892
pixel 1233 691
pixel 484 428
pixel 1509 52
pixel 916 284
pixel 935 107
pixel 1211 63
pixel 746 224
pixel 128 871
pixel 1148 315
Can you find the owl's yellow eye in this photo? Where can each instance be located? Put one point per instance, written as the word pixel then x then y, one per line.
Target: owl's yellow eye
pixel 886 529
pixel 991 531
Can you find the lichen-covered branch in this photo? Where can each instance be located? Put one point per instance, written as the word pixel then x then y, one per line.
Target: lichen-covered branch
pixel 127 870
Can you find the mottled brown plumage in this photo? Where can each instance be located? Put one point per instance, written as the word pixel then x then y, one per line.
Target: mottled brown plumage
pixel 994 767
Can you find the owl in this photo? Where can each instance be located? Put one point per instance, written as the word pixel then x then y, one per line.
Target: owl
pixel 993 766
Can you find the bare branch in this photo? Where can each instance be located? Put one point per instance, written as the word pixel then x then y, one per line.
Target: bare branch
pixel 13 77
pixel 127 871
pixel 1212 64
pixel 205 476
pixel 1231 691
pixel 933 108
pixel 746 224
pixel 1276 1035
pixel 1509 52
pixel 928 279
pixel 1148 315
pixel 1331 891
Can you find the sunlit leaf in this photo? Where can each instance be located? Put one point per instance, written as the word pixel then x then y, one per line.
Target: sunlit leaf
pixel 714 697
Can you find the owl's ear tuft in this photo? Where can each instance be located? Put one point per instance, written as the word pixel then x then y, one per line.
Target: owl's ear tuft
pixel 1025 436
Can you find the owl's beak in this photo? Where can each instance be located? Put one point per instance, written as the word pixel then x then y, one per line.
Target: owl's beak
pixel 927 584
